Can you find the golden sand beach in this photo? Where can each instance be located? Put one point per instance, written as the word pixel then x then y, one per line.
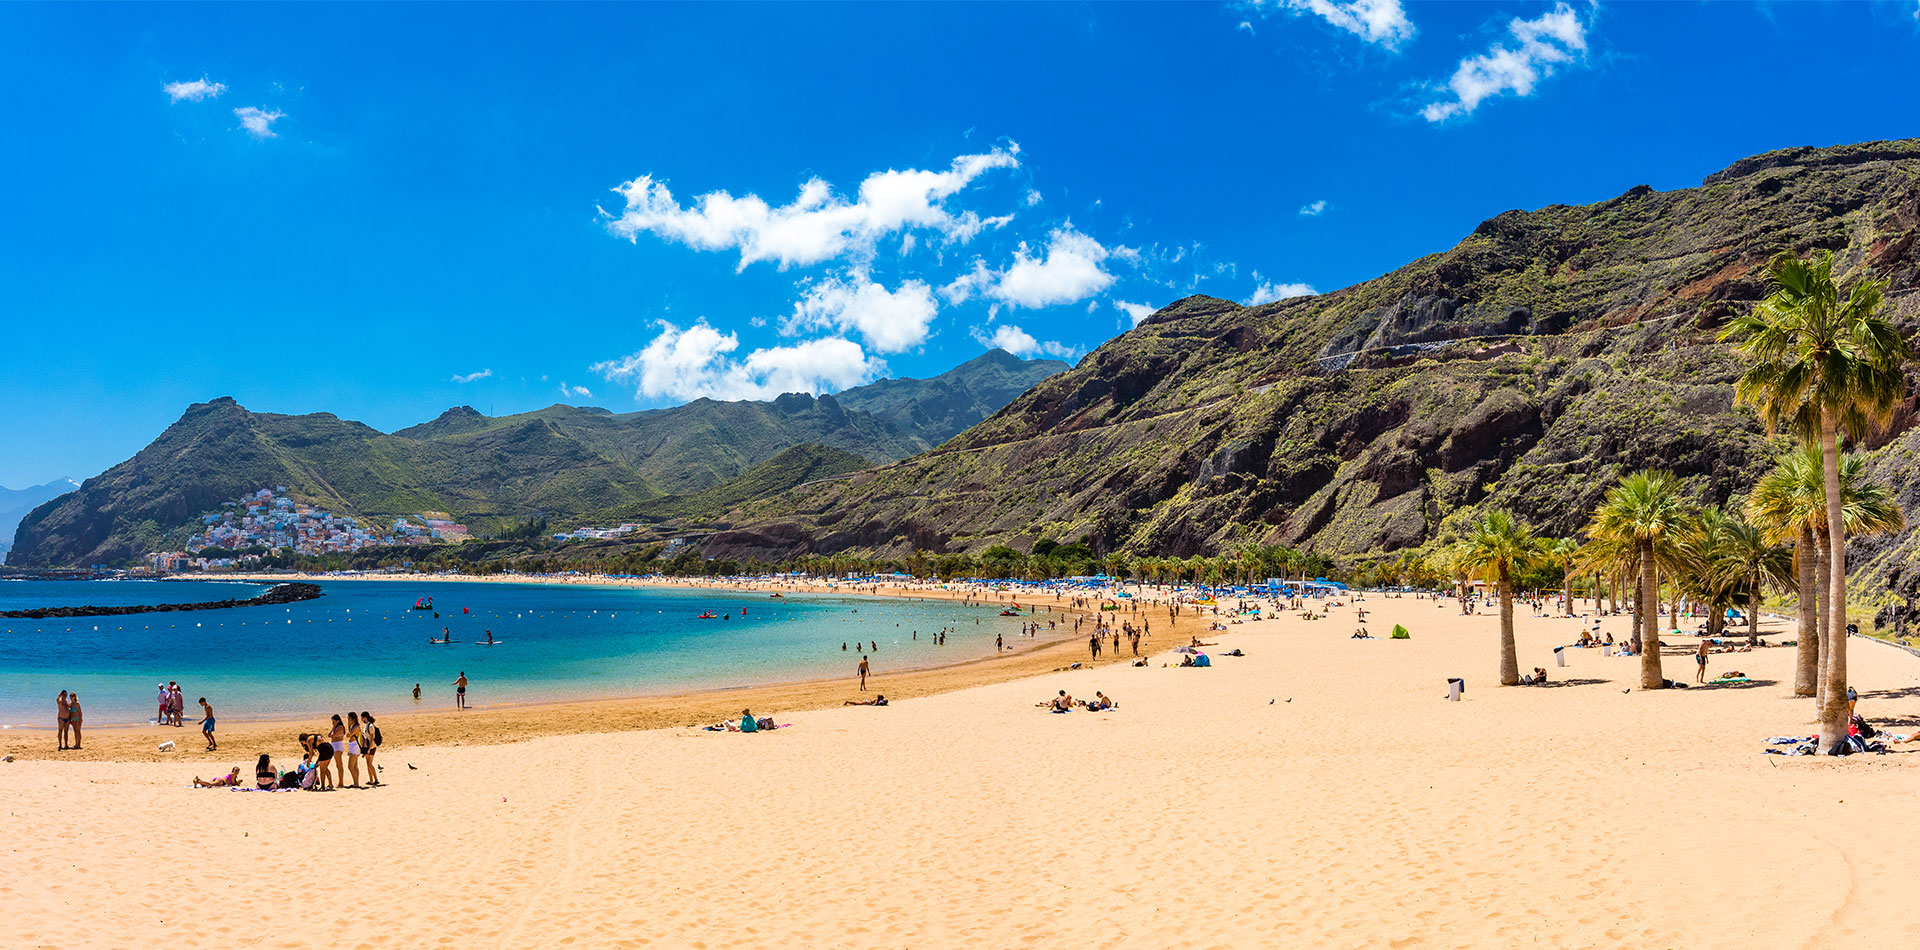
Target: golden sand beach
pixel 1318 792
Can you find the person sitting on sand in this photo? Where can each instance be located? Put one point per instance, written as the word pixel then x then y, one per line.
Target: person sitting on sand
pixel 1360 633
pixel 1061 703
pixel 263 774
pixel 228 781
pixel 747 722
pixel 1100 702
pixel 880 700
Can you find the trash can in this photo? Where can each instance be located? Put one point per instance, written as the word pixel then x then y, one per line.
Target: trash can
pixel 1455 687
pixel 1608 648
pixel 1559 656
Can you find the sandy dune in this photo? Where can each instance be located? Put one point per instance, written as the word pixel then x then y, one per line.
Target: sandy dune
pixel 1318 792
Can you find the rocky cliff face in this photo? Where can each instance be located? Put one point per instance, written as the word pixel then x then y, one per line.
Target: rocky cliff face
pixel 1529 366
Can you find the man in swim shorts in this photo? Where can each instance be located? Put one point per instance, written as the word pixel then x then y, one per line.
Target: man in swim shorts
pixel 206 724
pixel 460 691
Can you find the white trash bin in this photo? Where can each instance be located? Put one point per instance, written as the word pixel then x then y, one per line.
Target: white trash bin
pixel 1559 656
pixel 1455 687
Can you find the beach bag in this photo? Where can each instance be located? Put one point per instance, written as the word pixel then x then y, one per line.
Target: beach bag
pixel 377 740
pixel 1864 729
pixel 766 723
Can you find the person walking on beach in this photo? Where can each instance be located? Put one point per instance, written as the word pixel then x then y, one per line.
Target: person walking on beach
pixel 178 698
pixel 62 712
pixel 206 724
pixel 863 674
pixel 999 643
pixel 1700 661
pixel 1093 645
pixel 460 691
pixel 165 702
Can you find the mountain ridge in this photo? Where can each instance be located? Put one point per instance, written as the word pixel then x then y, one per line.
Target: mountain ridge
pixel 564 462
pixel 1544 354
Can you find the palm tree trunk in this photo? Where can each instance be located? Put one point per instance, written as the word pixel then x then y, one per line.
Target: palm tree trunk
pixel 1509 654
pixel 1819 608
pixel 1649 606
pixel 1834 712
pixel 1753 606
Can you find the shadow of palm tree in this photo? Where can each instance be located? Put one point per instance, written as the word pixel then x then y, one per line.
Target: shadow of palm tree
pixel 1573 682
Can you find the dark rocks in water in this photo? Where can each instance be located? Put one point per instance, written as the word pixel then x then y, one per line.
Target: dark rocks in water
pixel 278 594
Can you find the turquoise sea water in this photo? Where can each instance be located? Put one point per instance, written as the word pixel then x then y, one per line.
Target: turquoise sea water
pixel 361 646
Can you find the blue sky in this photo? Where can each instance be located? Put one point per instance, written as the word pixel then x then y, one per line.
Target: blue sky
pixel 384 211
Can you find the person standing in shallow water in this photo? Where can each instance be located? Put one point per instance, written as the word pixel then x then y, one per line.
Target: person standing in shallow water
pixel 863 674
pixel 460 691
pixel 62 711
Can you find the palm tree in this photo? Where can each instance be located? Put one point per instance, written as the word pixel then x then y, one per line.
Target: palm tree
pixel 1789 503
pixel 1562 551
pixel 1646 510
pixel 1822 365
pixel 1754 561
pixel 1609 558
pixel 1497 548
pixel 1700 554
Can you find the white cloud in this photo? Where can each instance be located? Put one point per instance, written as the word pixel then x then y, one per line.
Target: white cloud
pixel 818 224
pixel 1137 312
pixel 573 392
pixel 967 226
pixel 695 362
pixel 194 91
pixel 890 321
pixel 470 377
pixel 1542 44
pixel 1313 209
pixel 1068 271
pixel 1269 292
pixel 1033 197
pixel 1020 343
pixel 1248 26
pixel 258 122
pixel 1382 22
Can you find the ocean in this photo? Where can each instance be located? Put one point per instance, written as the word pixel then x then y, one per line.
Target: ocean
pixel 362 646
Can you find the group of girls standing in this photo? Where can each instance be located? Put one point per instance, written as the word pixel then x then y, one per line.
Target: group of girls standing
pixel 348 745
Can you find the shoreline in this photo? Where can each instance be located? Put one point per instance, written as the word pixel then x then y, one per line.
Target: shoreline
pixel 520 721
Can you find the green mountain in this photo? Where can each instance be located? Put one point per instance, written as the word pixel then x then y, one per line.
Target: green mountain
pixel 569 464
pixel 1526 367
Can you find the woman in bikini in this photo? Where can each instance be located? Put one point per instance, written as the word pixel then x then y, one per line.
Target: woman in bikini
pixel 338 738
pixel 353 748
pixel 62 711
pixel 369 744
pixel 322 751
pixel 263 774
